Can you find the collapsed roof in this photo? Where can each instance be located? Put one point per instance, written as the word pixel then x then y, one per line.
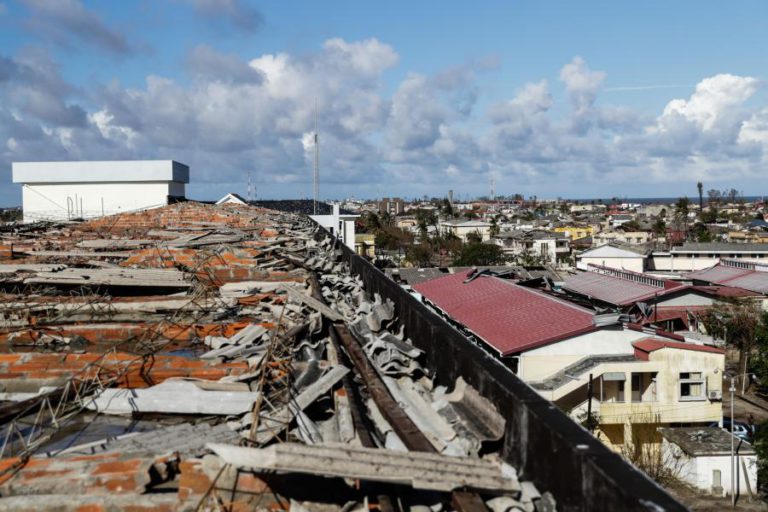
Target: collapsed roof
pixel 220 357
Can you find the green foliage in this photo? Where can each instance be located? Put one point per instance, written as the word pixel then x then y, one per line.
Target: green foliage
pixel 478 254
pixel 701 233
pixel 660 227
pixel 474 237
pixel 10 215
pixel 760 444
pixel 420 255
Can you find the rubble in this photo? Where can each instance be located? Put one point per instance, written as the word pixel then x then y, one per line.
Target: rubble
pixel 268 376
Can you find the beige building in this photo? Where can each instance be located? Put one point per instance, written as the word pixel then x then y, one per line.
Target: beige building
pixel 663 382
pixel 622 237
pixel 462 228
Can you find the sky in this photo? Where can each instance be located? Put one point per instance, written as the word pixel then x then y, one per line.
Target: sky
pixel 552 99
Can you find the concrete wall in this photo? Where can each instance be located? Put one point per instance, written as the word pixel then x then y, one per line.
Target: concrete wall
pixel 62 201
pixel 548 448
pixel 691 262
pixel 342 226
pixel 633 264
pixel 540 363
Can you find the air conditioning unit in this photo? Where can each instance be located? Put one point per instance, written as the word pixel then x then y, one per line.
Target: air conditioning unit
pixel 715 395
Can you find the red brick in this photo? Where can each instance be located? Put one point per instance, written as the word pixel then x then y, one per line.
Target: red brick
pixel 117 466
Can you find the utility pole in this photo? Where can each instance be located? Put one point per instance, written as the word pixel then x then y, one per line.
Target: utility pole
pixel 733 459
pixel 589 404
pixel 316 171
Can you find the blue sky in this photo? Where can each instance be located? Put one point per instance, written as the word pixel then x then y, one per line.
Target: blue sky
pixel 572 99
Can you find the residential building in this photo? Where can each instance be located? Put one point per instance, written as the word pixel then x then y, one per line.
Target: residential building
pixel 575 232
pixel 392 206
pixel 463 228
pixel 618 219
pixel 550 247
pixel 622 237
pixel 340 225
pixel 72 190
pixel 748 237
pixel 232 198
pixel 620 258
pixel 365 245
pixel 701 457
pixel 639 376
pixel 691 256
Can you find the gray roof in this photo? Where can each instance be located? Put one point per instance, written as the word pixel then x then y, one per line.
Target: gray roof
pixel 720 247
pixel 700 441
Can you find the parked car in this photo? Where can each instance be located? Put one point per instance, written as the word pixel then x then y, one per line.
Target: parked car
pixel 740 429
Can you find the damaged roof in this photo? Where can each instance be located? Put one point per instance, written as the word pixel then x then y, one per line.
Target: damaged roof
pixel 619 287
pixel 174 358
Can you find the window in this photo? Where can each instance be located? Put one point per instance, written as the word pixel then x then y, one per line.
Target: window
pixel 692 386
pixel 636 379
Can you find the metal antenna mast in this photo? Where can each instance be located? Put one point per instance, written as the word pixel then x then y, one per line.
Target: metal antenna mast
pixel 493 187
pixel 316 173
pixel 250 188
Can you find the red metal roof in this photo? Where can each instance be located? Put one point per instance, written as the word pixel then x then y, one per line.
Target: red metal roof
pixel 752 280
pixel 619 291
pixel 508 317
pixel 648 345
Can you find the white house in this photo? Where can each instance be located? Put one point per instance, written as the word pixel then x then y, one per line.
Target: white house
pixel 339 225
pixel 701 456
pixel 612 257
pixel 232 198
pixel 70 190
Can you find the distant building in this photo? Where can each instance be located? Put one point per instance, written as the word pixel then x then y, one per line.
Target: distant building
pixel 71 190
pixel 691 256
pixel 463 228
pixel 340 225
pixel 611 256
pixel 232 198
pixel 393 206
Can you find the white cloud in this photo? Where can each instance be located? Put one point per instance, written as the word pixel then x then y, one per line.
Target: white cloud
pixel 237 115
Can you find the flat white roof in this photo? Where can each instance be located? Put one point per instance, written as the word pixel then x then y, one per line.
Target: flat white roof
pixel 100 171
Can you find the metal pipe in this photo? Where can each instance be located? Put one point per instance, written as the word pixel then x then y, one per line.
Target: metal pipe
pixel 733 471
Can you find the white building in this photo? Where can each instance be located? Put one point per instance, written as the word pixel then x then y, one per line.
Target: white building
pixel 612 257
pixel 70 190
pixel 701 456
pixel 339 225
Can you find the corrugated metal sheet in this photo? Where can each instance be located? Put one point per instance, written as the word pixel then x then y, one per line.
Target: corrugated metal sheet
pixel 508 317
pixel 752 280
pixel 615 290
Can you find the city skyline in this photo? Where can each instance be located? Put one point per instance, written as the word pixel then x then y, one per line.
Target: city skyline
pixel 562 100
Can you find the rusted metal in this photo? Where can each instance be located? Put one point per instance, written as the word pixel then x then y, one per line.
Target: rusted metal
pixel 405 428
pixel 467 502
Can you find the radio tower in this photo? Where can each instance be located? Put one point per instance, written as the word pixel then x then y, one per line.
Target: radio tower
pixel 250 188
pixel 316 171
pixel 493 187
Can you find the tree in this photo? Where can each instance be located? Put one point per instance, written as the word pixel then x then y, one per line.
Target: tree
pixel 742 325
pixel 495 229
pixel 700 186
pixel 701 233
pixel 660 227
pixel 478 254
pixel 420 255
pixel 682 208
pixel 474 237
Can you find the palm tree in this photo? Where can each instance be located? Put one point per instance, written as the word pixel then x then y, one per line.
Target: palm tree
pixel 700 186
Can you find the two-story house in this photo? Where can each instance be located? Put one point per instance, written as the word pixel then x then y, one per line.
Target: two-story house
pixel 639 376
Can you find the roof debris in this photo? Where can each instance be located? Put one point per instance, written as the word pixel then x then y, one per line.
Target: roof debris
pixel 256 370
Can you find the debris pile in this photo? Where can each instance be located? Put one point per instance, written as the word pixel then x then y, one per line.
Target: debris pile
pixel 199 357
